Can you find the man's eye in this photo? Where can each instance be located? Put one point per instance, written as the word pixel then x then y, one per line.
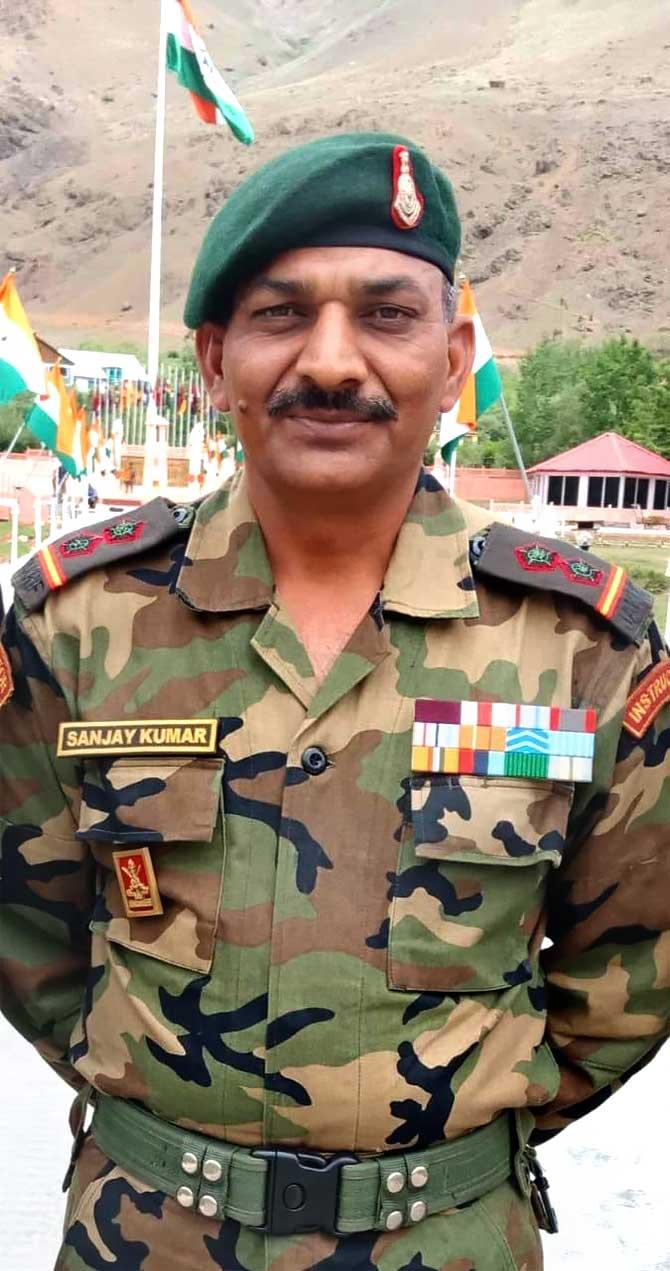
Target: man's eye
pixel 277 311
pixel 390 313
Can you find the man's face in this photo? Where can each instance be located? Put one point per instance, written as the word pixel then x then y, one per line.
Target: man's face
pixel 335 364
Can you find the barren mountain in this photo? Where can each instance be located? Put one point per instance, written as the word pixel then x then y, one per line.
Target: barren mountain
pixel 551 117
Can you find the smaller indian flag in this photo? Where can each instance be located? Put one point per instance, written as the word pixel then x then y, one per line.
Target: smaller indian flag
pixel 53 419
pixel 21 367
pixel 187 56
pixel 482 388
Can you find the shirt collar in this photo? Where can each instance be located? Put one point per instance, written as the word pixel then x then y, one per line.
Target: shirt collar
pixel 226 567
pixel 429 574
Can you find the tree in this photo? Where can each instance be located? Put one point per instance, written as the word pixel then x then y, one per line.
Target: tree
pixel 649 420
pixel 548 416
pixel 11 415
pixel 184 358
pixel 614 376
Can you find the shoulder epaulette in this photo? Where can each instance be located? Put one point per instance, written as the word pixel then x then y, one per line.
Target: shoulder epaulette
pixel 92 546
pixel 551 565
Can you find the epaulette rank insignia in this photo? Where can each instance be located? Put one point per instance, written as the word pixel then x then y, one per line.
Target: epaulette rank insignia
pixel 551 565
pixel 91 546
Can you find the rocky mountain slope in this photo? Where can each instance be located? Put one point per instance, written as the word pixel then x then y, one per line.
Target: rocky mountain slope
pixel 550 115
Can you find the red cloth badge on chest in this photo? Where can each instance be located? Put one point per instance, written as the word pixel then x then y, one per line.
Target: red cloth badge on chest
pixel 137 881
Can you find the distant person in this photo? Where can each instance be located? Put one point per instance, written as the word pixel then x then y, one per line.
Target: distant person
pixel 127 478
pixel 335 814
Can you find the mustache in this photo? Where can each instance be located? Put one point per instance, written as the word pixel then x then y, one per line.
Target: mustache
pixel 345 400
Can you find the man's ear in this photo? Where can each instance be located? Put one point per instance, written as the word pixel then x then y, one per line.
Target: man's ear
pixel 461 358
pixel 209 349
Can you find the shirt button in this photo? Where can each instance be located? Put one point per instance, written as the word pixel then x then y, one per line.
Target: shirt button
pixel 314 761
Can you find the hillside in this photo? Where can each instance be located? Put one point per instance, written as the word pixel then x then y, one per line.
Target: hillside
pixel 562 170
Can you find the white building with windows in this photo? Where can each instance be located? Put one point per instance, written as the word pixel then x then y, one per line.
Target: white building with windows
pixel 87 369
pixel 608 478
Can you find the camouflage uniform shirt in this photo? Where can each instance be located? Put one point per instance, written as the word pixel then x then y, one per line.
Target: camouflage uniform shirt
pixel 351 956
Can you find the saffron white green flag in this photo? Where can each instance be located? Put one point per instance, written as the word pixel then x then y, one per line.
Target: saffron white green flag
pixel 187 56
pixel 21 367
pixel 54 421
pixel 482 388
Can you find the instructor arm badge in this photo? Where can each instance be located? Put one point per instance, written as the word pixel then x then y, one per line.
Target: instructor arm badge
pixel 647 700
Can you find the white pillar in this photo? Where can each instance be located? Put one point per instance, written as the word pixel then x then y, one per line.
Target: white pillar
pixel 12 506
pixel 650 494
pixel 621 489
pixel 38 522
pixel 583 491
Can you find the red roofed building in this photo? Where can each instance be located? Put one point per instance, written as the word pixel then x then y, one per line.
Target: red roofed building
pixel 608 472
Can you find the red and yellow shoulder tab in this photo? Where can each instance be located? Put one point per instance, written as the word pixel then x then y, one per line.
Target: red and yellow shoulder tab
pixel 91 546
pixel 551 565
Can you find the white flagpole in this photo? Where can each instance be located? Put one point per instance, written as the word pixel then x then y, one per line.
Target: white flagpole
pixel 157 214
pixel 153 348
pixel 452 473
pixel 515 447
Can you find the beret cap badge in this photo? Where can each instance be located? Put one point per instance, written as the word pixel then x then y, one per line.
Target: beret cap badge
pixel 408 203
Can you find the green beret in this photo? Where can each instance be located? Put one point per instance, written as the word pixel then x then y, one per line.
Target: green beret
pixel 362 189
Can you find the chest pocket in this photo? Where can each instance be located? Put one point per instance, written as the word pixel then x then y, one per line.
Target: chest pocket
pixel 471 879
pixel 174 807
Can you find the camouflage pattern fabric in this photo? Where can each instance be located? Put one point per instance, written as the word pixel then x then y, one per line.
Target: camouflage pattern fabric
pixel 350 958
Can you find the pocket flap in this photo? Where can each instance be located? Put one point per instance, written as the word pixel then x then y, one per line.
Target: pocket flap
pixel 150 800
pixel 506 820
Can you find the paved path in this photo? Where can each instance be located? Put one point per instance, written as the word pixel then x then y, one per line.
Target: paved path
pixel 608 1175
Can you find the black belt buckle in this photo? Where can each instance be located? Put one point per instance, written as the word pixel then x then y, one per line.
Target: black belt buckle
pixel 302 1191
pixel 543 1209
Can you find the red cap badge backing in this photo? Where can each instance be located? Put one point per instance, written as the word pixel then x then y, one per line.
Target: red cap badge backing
pixel 408 202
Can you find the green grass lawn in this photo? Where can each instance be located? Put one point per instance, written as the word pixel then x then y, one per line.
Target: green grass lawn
pixel 26 532
pixel 640 556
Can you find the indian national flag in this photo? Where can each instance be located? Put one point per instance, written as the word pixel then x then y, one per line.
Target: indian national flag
pixel 191 63
pixel 483 386
pixel 21 367
pixel 53 419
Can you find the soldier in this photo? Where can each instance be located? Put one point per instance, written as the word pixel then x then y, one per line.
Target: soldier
pixel 297 780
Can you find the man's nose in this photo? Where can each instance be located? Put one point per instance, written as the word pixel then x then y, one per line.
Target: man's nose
pixel 331 356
